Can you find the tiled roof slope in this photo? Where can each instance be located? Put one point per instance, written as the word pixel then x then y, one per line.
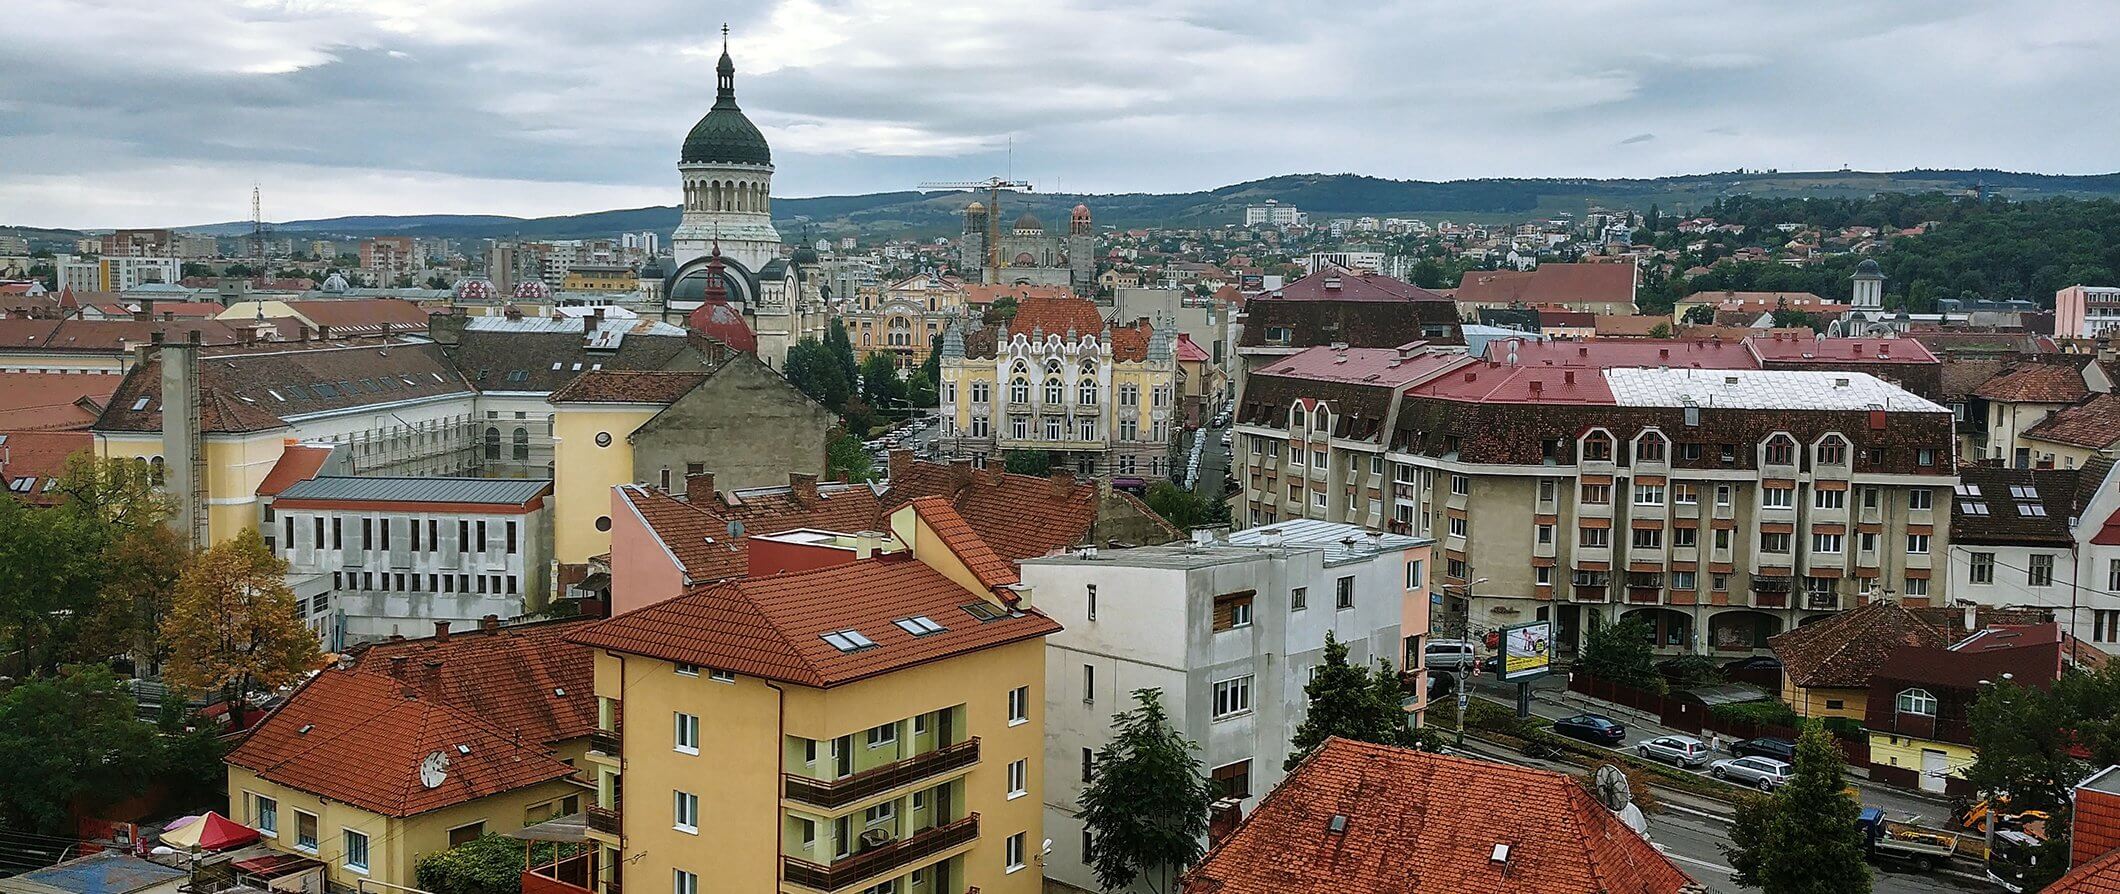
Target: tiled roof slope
pixel 1360 324
pixel 1419 823
pixel 2020 506
pixel 1341 284
pixel 52 401
pixel 2094 423
pixel 359 738
pixel 773 626
pixel 2099 876
pixel 628 386
pixel 2046 383
pixel 698 539
pixel 1057 315
pixel 1842 651
pixel 543 356
pixel 1019 516
pixel 522 678
pixel 992 570
pixel 1549 284
pixel 698 534
pixel 251 390
pixel 36 460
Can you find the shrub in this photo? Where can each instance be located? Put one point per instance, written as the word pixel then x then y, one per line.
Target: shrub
pixel 1767 712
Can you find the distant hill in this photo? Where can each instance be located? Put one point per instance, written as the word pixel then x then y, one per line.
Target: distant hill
pixel 1323 195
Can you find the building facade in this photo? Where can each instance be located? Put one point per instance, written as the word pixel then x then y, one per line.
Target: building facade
pixel 1024 253
pixel 904 319
pixel 1097 398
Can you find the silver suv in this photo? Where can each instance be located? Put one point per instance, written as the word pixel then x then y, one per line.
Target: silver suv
pixel 1684 751
pixel 1765 772
pixel 1449 655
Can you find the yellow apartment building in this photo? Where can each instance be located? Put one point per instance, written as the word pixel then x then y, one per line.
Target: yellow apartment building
pixel 869 726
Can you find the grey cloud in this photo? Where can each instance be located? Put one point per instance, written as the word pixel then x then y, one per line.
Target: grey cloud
pixel 1637 138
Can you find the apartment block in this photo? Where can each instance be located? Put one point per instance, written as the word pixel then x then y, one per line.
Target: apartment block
pixel 1720 505
pixel 874 725
pixel 1229 630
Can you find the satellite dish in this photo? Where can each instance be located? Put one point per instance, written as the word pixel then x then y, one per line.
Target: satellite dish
pixel 433 769
pixel 1612 789
pixel 735 528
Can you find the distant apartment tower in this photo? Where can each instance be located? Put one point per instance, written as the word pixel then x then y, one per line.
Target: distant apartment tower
pixel 390 257
pixel 114 274
pixel 501 261
pixel 1272 213
pixel 1372 261
pixel 139 244
pixel 2086 311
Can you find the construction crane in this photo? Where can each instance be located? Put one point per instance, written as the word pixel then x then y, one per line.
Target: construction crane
pixel 993 186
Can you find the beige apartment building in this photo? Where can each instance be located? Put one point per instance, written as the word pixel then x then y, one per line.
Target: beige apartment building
pixel 1721 506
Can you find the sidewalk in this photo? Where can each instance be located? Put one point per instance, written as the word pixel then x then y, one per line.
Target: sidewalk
pixel 1552 700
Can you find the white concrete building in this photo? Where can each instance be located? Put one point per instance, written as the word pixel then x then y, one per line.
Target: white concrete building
pixel 1229 630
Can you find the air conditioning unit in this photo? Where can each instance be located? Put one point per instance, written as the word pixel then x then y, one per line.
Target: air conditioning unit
pixel 877 838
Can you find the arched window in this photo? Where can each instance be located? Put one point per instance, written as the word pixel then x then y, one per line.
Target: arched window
pixel 1781 450
pixel 1297 420
pixel 1054 393
pixel 155 470
pixel 1651 448
pixel 1019 391
pixel 493 443
pixel 1917 701
pixel 1832 451
pixel 1598 447
pixel 522 443
pixel 1086 391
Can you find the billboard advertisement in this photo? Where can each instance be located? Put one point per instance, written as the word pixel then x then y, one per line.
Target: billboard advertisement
pixel 1527 650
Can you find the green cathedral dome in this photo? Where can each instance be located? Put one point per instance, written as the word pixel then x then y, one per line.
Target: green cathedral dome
pixel 725 136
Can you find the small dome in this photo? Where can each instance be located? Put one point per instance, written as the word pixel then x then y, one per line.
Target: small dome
pixel 475 290
pixel 725 136
pixel 1081 211
pixel 1868 267
pixel 1029 221
pixel 651 269
pixel 532 290
pixel 336 282
pixel 804 255
pixel 975 208
pixel 722 322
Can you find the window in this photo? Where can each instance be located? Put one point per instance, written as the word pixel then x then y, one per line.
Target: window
pixel 686 807
pixel 1542 576
pixel 1648 495
pixel 1232 697
pixel 1918 544
pixel 1918 587
pixel 1460 485
pixel 1921 498
pixel 1722 495
pixel 356 856
pixel 265 814
pixel 1415 578
pixel 1777 497
pixel 1457 527
pixel 1597 448
pixel 1685 538
pixel 1594 538
pixel 466 834
pixel 1019 391
pixel 1774 543
pixel 1829 499
pixel 1980 568
pixel 1597 494
pixel 511 538
pixel 1719 582
pixel 1833 451
pixel 1019 705
pixel 687 670
pixel 1684 580
pixel 1781 451
pixel 1013 852
pixel 880 814
pixel 2105 625
pixel 1925 457
pixel 718 676
pixel 1092 602
pixel 1089 764
pixel 305 831
pixel 1545 534
pixel 1232 780
pixel 1343 593
pixel 2040 572
pixel 683 882
pixel 1918 702
pixel 2112 575
pixel 883 734
pixel 1868 541
pixel 1089 684
pixel 1299 597
pixel 687 733
pixel 1233 610
pixel 1685 494
pixel 1826 543
pixel 1648 538
pixel 1649 449
pixel 1018 773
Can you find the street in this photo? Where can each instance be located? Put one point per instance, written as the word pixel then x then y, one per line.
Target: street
pixel 1214 465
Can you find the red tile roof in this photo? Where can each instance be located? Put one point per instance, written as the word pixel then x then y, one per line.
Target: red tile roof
pixel 1189 351
pixel 2100 876
pixel 698 535
pixel 2095 823
pixel 40 457
pixel 298 462
pixel 1611 283
pixel 698 539
pixel 979 295
pixel 2095 423
pixel 628 386
pixel 53 401
pixel 1057 315
pixel 521 678
pixel 1373 366
pixel 1842 651
pixel 2044 383
pixel 1342 284
pixel 1601 353
pixel 992 570
pixel 359 738
pixel 1851 350
pixel 1419 823
pixel 1502 383
pixel 722 322
pixel 773 626
pixel 351 316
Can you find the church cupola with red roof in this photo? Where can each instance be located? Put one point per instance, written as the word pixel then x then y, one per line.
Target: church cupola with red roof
pixel 1078 223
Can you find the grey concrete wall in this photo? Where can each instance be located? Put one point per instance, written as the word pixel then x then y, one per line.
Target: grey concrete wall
pixel 746 424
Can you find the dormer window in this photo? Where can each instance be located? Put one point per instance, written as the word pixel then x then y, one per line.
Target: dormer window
pixel 1651 448
pixel 1918 702
pixel 1597 448
pixel 1296 418
pixel 1833 451
pixel 1781 451
pixel 1321 421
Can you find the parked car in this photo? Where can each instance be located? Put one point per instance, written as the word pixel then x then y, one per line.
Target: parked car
pixel 1592 728
pixel 1491 664
pixel 1449 655
pixel 1683 751
pixel 1766 746
pixel 1765 772
pixel 1767 663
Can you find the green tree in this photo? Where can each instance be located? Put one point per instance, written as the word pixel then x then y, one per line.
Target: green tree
pixel 932 366
pixel 847 460
pixel 1183 508
pixel 233 624
pixel 841 348
pixel 1027 462
pixel 1802 838
pixel 880 386
pixel 1350 701
pixel 1621 653
pixel 1700 315
pixel 1146 803
pixel 2028 742
pixel 70 740
pixel 489 864
pixel 1660 330
pixel 815 372
pixel 51 576
pixel 920 392
pixel 1001 311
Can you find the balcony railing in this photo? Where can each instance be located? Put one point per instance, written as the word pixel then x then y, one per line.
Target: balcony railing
pixel 855 869
pixel 604 740
pixel 604 819
pixel 832 794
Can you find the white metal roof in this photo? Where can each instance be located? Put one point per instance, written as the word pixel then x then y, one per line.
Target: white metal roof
pixel 1758 389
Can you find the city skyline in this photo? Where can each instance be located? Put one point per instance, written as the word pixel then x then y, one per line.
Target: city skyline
pixel 537 108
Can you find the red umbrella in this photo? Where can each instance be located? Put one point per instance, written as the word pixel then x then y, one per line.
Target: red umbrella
pixel 212 832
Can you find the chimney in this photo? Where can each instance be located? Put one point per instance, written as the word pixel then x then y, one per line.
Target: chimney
pixel 441 631
pixel 960 474
pixel 866 543
pixel 1568 377
pixel 699 489
pixel 1063 482
pixel 901 463
pixel 146 311
pixel 323 332
pixel 1972 616
pixel 803 487
pixel 490 624
pixel 397 667
pixel 1537 387
pixel 592 607
pixel 1663 353
pixel 589 325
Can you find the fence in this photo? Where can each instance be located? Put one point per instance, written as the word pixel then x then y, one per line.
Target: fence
pixel 1690 716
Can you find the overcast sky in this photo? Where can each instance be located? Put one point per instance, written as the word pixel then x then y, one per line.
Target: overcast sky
pixel 119 112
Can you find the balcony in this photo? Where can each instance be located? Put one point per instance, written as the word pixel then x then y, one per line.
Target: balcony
pixel 837 793
pixel 1644 595
pixel 603 819
pixel 857 868
pixel 605 741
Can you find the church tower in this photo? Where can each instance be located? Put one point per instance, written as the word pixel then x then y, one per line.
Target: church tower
pixel 1869 286
pixel 727 170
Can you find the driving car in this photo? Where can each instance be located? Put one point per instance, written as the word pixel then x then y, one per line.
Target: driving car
pixel 1449 655
pixel 1766 746
pixel 1683 751
pixel 1592 728
pixel 1764 772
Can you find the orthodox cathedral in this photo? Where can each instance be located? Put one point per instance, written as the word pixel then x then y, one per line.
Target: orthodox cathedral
pixel 726 251
pixel 1024 254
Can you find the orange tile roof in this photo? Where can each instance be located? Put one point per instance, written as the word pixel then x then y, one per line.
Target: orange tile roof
pixel 629 386
pixel 53 401
pixel 698 536
pixel 298 462
pixel 773 626
pixel 39 456
pixel 521 678
pixel 2050 383
pixel 1019 516
pixel 359 738
pixel 992 570
pixel 1419 823
pixel 1057 315
pixel 2100 876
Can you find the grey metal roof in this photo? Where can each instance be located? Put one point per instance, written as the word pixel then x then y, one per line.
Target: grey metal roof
pixel 418 490
pixel 1341 542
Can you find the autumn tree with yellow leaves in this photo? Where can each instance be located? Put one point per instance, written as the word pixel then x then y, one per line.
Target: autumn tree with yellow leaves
pixel 233 625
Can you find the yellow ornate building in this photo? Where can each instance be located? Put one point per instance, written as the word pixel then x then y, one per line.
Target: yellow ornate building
pixel 1060 378
pixel 875 725
pixel 904 319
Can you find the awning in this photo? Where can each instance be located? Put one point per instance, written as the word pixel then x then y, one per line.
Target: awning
pixel 572 827
pixel 212 832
